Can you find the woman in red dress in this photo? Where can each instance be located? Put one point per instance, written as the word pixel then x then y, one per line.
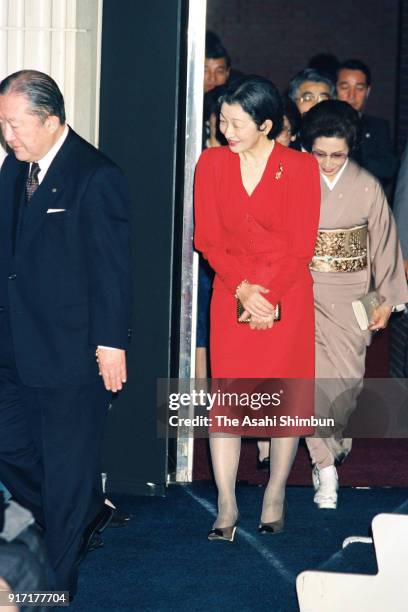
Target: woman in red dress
pixel 257 213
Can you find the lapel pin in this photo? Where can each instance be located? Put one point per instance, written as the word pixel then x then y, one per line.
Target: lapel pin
pixel 54 190
pixel 279 172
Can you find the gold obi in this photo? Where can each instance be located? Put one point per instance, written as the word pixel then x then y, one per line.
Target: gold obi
pixel 341 250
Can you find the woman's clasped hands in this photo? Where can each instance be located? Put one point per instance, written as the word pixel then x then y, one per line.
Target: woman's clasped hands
pixel 256 306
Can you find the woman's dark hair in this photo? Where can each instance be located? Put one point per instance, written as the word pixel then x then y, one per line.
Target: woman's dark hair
pixel 211 106
pixel 211 101
pixel 331 119
pixel 259 98
pixel 290 110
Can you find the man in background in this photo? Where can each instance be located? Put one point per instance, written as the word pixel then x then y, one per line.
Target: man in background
pixel 375 152
pixel 309 87
pixel 400 207
pixel 217 64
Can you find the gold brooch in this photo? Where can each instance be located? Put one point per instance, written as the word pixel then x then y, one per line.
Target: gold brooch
pixel 279 172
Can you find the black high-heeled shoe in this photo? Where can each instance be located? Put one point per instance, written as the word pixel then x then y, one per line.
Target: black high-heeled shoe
pixel 274 526
pixel 263 464
pixel 223 533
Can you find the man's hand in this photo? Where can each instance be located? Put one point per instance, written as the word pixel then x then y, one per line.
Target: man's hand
pixel 112 367
pixel 406 268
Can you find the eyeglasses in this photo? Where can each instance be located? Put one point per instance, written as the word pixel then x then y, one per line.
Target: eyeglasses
pixel 311 97
pixel 320 156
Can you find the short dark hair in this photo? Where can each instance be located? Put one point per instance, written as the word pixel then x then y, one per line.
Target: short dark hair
pixel 326 63
pixel 42 92
pixel 211 106
pixel 211 102
pixel 259 98
pixel 330 119
pixel 214 48
pixel 309 74
pixel 355 64
pixel 290 110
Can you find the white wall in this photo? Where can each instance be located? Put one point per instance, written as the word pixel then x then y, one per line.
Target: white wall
pixel 63 39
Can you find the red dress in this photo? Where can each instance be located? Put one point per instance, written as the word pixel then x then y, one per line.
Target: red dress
pixel 267 238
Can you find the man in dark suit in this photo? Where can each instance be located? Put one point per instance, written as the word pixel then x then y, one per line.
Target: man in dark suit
pixel 399 329
pixel 64 316
pixel 400 207
pixel 375 152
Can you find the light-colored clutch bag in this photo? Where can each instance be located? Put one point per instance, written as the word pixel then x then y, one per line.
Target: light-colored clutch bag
pixel 364 308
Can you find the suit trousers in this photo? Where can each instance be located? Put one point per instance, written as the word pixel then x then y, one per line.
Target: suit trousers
pixel 50 445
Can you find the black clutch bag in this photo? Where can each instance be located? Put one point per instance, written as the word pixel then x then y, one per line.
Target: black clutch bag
pixel 241 309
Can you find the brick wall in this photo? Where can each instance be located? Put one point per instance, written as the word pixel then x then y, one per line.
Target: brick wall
pixel 276 38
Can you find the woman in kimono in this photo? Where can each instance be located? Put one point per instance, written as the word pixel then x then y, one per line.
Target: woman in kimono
pixel 357 250
pixel 257 211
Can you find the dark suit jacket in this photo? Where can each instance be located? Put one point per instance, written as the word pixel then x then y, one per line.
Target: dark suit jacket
pixel 1 513
pixel 67 284
pixel 375 153
pixel 400 207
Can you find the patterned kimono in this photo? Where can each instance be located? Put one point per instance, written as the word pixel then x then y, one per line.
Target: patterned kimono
pixel 345 267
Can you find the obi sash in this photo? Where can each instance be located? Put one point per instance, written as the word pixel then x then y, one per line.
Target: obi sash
pixel 341 250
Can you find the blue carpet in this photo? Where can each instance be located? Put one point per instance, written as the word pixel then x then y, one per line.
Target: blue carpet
pixel 162 562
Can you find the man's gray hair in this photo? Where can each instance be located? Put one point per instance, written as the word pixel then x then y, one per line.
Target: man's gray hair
pixel 309 74
pixel 41 91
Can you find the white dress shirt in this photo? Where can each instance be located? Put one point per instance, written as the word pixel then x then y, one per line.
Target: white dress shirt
pixel 48 158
